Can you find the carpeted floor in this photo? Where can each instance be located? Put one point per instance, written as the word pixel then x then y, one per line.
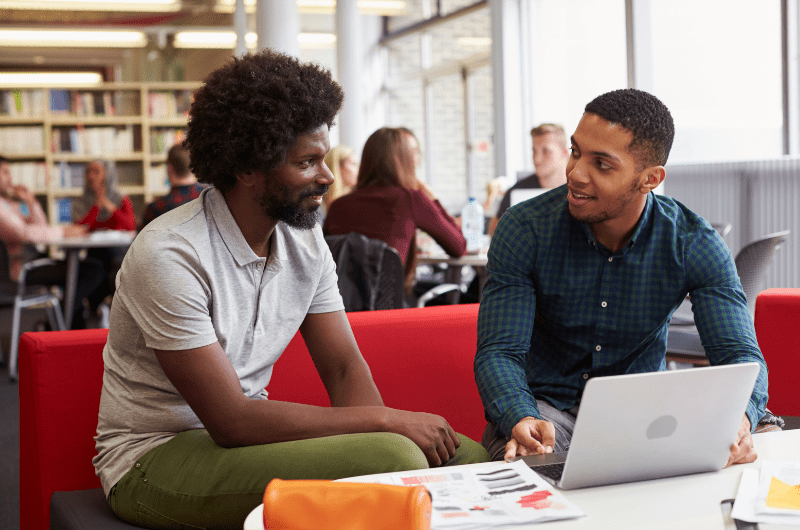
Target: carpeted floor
pixel 9 452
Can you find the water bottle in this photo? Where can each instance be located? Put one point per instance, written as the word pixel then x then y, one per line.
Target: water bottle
pixel 472 225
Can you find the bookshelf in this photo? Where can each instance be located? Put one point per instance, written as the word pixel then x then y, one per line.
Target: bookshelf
pixel 50 133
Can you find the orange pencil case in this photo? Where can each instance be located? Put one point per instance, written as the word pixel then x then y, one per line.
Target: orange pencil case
pixel 321 504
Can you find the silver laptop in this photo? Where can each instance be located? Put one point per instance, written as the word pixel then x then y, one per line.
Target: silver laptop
pixel 523 194
pixel 652 425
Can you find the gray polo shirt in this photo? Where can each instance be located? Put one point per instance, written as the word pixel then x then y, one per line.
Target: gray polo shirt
pixel 190 279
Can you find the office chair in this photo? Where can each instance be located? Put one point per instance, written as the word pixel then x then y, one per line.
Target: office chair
pixel 371 273
pixel 751 264
pixel 19 296
pixel 723 229
pixel 752 261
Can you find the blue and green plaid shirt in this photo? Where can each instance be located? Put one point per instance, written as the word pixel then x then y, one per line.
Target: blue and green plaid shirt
pixel 560 308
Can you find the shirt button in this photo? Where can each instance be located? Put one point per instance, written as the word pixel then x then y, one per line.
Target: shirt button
pixel 597 347
pixel 259 265
pixel 586 376
pixel 604 304
pixel 610 259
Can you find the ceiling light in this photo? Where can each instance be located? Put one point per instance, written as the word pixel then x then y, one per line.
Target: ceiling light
pixel 327 7
pixel 85 38
pixel 227 39
pixel 93 5
pixel 50 78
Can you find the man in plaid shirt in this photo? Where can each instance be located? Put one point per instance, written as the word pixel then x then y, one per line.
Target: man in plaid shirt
pixel 584 279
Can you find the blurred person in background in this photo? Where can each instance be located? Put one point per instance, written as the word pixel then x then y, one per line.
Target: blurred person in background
pixel 183 186
pixel 103 207
pixel 550 157
pixel 342 162
pixel 390 202
pixel 23 223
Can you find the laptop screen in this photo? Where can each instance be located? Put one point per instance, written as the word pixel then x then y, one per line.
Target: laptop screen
pixel 520 195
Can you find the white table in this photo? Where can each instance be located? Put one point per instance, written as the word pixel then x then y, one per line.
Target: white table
pixel 690 502
pixel 72 247
pixel 454 265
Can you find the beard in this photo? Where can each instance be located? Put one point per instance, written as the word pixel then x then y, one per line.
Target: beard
pixel 616 209
pixel 279 205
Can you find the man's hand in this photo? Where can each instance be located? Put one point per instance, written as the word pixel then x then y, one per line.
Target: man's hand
pixel 531 436
pixel 75 230
pixel 742 450
pixel 430 432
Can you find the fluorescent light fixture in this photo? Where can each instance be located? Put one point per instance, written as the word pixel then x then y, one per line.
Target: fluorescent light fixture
pixel 227 39
pixel 367 7
pixel 474 42
pixel 50 78
pixel 94 5
pixel 85 38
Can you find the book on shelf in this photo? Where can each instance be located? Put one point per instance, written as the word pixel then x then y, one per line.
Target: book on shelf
pixel 22 103
pixel 172 104
pixel 32 175
pixel 22 139
pixel 71 174
pixel 60 101
pixel 64 210
pixel 161 140
pixel 157 180
pixel 94 141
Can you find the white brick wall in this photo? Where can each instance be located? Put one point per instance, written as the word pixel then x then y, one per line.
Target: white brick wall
pixel 405 102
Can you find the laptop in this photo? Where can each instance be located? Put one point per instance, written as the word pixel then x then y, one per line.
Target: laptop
pixel 651 425
pixel 523 194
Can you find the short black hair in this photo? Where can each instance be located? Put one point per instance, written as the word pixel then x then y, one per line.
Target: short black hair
pixel 645 116
pixel 250 112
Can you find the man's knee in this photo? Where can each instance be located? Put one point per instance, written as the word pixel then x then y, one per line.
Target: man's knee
pixel 394 452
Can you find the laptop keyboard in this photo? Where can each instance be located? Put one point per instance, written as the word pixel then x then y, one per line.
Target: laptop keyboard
pixel 552 471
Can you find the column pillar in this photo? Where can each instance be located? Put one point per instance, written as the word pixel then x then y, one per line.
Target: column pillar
pixel 278 25
pixel 349 65
pixel 507 87
pixel 240 28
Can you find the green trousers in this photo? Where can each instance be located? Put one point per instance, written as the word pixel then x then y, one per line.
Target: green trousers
pixel 191 482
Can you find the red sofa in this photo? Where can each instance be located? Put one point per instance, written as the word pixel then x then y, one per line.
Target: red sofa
pixel 421 360
pixel 777 321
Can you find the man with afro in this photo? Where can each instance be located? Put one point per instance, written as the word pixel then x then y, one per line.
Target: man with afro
pixel 208 297
pixel 584 278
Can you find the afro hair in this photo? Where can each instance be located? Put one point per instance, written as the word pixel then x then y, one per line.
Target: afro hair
pixel 250 112
pixel 645 116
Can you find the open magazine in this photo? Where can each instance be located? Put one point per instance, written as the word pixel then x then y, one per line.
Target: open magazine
pixel 485 496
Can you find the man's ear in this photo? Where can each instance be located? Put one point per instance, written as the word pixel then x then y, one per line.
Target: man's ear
pixel 652 177
pixel 247 178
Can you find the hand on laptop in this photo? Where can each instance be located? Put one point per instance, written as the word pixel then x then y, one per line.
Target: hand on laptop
pixel 742 450
pixel 531 436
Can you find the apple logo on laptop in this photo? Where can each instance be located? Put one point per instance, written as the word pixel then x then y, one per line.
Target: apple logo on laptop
pixel 662 427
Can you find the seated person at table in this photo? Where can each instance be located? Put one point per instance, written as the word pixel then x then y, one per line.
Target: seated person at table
pixel 23 223
pixel 583 281
pixel 550 157
pixel 390 202
pixel 341 160
pixel 186 434
pixel 183 185
pixel 103 207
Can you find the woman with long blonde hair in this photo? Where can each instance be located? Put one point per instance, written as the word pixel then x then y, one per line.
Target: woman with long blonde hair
pixel 341 160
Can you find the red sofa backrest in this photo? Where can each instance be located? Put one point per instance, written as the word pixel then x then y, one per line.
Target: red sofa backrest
pixel 421 360
pixel 777 323
pixel 60 377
